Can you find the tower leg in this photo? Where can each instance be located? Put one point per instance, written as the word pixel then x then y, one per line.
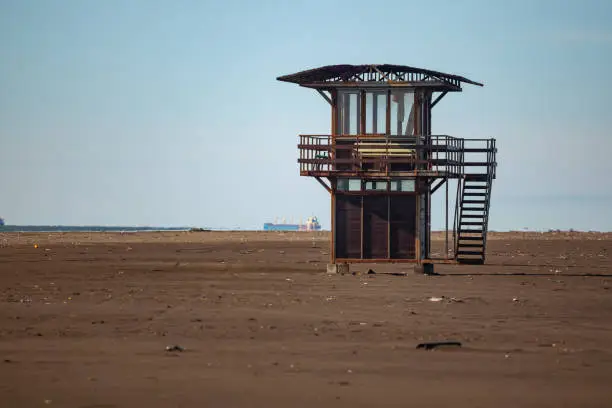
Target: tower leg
pixel 424 269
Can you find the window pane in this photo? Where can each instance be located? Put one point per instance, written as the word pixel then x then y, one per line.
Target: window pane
pixel 408 122
pixel 354 123
pixel 349 184
pixel 348 114
pixel 376 185
pixel 394 108
pixel 354 185
pixel 402 122
pixel 381 113
pixel 370 110
pixel 403 185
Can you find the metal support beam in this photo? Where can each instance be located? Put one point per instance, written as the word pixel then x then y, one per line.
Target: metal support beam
pixel 446 219
pixel 437 186
pixel 326 97
pixel 438 99
pixel 328 188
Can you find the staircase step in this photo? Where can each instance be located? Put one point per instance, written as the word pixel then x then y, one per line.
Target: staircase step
pixel 475 163
pixel 471 261
pixel 470 246
pixel 473 218
pixel 460 252
pixel 477 177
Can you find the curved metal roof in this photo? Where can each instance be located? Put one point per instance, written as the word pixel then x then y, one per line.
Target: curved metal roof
pixel 337 74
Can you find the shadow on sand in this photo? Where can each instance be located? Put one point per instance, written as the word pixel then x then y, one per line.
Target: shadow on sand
pixel 560 275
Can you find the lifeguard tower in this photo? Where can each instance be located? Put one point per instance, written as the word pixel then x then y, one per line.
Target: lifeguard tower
pixel 381 165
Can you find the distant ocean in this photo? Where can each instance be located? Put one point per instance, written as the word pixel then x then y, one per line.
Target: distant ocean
pixel 92 228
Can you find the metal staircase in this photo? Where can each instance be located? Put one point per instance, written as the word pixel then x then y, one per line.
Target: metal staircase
pixel 472 210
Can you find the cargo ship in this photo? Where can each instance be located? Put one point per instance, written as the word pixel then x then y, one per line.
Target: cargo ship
pixel 311 224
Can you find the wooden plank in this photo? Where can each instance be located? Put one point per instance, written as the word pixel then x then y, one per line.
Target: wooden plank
pixel 375 226
pixel 402 226
pixel 348 226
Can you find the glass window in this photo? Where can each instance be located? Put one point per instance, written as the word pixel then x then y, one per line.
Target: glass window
pixel 403 185
pixel 402 113
pixel 349 113
pixel 376 112
pixel 354 185
pixel 370 110
pixel 381 114
pixel 349 185
pixel 379 185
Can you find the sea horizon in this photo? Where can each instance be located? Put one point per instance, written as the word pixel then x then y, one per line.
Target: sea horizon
pixel 124 228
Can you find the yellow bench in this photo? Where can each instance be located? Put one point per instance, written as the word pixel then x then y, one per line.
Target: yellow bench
pixel 383 149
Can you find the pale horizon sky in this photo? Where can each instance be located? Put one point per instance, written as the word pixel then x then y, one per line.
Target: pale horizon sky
pixel 168 113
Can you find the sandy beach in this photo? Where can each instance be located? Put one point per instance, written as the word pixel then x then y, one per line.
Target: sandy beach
pixel 85 320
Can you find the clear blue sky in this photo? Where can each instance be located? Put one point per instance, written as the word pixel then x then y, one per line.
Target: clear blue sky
pixel 167 113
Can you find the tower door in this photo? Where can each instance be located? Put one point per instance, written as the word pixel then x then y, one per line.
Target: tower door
pixel 375 226
pixel 402 222
pixel 347 239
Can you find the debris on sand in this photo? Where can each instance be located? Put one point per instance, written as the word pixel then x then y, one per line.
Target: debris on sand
pixel 175 347
pixel 371 272
pixel 444 298
pixel 437 344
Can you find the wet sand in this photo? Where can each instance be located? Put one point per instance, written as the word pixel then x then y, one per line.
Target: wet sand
pixel 85 320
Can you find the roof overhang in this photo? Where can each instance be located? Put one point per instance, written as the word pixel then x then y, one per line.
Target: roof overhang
pixel 376 76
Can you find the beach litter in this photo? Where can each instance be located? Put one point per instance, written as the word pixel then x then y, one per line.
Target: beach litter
pixel 437 344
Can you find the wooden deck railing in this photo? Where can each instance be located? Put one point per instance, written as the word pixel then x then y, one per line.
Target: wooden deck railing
pixel 325 155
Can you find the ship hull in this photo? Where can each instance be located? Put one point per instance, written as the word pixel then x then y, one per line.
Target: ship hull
pixel 289 227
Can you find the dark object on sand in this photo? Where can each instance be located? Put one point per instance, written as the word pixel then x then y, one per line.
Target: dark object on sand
pixel 174 348
pixel 436 344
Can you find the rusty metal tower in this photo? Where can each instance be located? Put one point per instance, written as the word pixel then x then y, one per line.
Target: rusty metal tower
pixel 381 165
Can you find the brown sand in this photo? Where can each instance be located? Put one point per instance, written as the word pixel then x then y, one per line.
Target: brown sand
pixel 85 319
